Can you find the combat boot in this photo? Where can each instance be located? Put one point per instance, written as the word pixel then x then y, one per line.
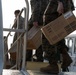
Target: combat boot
pixel 51 68
pixel 66 59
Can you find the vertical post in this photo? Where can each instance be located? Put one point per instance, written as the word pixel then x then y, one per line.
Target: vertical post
pixel 17 51
pixel 1 40
pixel 25 35
pixel 73 46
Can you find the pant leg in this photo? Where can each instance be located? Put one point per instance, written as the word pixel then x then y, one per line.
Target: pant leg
pixel 28 55
pixel 39 54
pixel 29 51
pixel 49 49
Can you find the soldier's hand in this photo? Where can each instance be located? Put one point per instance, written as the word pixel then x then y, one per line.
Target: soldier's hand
pixel 60 8
pixel 35 24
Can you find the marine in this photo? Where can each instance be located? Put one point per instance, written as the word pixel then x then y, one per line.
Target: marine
pixel 53 53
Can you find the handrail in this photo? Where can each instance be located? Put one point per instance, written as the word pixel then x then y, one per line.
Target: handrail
pixel 15 30
pixel 25 35
pixel 1 40
pixel 14 23
pixel 14 43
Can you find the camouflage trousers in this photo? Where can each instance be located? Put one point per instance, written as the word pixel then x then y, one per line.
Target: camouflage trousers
pixel 52 51
pixel 39 51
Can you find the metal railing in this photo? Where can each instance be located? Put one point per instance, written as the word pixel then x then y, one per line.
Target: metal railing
pixel 24 31
pixel 1 40
pixel 15 30
pixel 71 43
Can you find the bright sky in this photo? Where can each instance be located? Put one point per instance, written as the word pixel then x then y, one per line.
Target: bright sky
pixel 9 6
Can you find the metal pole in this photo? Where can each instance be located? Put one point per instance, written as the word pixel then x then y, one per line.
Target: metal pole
pixel 1 41
pixel 25 35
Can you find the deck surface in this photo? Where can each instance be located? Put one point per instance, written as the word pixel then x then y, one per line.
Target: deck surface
pixel 32 72
pixel 35 72
pixel 11 72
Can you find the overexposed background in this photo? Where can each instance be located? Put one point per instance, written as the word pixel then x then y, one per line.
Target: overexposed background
pixel 8 8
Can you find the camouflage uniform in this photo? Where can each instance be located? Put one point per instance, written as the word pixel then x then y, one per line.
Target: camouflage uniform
pixel 20 26
pixel 53 51
pixel 16 35
pixel 37 7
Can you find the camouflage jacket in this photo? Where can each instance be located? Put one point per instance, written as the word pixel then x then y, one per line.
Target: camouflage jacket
pixel 21 23
pixel 68 4
pixel 38 7
pixel 53 4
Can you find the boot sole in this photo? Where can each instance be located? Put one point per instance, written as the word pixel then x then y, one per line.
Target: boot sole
pixel 55 73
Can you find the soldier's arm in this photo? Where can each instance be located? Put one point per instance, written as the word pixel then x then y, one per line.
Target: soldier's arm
pixel 15 24
pixel 60 8
pixel 36 11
